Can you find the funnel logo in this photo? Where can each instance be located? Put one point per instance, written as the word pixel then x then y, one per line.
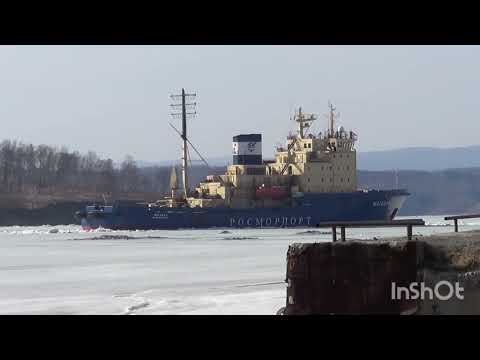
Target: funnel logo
pixel 251 146
pixel 247 148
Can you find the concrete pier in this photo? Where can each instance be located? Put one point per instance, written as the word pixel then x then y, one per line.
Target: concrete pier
pixel 364 277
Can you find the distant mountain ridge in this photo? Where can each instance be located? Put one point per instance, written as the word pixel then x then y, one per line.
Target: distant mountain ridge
pixel 420 158
pixel 413 158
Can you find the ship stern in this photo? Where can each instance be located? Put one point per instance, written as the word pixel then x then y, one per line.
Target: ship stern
pixel 94 216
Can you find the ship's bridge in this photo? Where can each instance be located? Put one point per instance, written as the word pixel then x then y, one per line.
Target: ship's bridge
pixel 322 163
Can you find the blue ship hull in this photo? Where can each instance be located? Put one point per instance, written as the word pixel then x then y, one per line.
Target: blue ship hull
pixel 307 211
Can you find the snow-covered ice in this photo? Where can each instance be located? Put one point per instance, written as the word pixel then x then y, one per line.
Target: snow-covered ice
pixel 65 270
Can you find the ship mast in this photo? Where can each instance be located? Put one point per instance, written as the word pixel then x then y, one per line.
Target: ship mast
pixel 332 119
pixel 184 115
pixel 304 121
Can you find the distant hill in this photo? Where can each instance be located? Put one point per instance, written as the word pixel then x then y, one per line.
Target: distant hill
pixel 420 158
pixel 449 191
pixel 415 158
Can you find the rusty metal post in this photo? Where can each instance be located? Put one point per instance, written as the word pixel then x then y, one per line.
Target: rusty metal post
pixel 334 233
pixel 409 232
pixel 456 224
pixel 343 233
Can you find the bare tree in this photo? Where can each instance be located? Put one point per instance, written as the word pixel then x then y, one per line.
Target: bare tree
pixel 129 174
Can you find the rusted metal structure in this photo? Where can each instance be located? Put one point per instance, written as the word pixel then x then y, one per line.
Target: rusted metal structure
pixel 437 275
pixel 351 277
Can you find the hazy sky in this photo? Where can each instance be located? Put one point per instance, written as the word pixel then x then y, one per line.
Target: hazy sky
pixel 115 99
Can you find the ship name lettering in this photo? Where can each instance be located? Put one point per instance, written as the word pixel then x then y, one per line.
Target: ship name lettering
pixel 159 215
pixel 269 221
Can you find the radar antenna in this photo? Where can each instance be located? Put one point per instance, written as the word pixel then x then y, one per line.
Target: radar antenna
pixel 304 121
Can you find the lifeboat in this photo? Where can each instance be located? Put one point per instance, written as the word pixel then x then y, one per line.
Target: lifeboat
pixel 272 192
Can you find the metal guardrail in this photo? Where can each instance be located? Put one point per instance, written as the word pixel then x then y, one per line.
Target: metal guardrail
pixel 408 223
pixel 455 218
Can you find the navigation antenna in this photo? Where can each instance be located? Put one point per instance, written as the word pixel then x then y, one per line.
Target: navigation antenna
pixel 185 110
pixel 332 116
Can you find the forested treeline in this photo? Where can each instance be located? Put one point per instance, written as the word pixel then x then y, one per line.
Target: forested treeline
pixel 27 168
pixel 43 169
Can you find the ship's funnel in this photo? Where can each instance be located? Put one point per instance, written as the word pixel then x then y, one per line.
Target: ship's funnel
pixel 247 149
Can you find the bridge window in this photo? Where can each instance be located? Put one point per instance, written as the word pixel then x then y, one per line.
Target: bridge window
pixel 305 146
pixel 309 145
